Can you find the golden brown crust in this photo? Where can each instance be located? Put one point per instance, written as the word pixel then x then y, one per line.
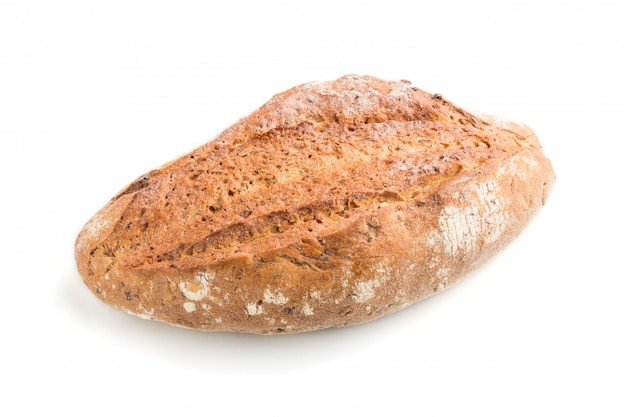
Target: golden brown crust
pixel 333 204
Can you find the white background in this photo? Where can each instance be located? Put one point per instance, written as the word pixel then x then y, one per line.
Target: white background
pixel 95 93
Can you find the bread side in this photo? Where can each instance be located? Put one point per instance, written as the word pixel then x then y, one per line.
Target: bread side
pixel 333 204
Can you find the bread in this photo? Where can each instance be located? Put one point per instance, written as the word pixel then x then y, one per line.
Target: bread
pixel 333 204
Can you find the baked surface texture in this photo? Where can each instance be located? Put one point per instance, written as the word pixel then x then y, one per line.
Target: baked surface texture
pixel 333 204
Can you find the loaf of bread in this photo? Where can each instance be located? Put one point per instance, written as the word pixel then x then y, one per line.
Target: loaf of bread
pixel 333 204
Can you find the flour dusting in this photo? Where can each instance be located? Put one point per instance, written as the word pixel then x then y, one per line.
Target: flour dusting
pixel 460 228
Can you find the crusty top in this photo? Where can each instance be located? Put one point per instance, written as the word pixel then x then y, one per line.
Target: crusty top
pixel 293 218
pixel 298 166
